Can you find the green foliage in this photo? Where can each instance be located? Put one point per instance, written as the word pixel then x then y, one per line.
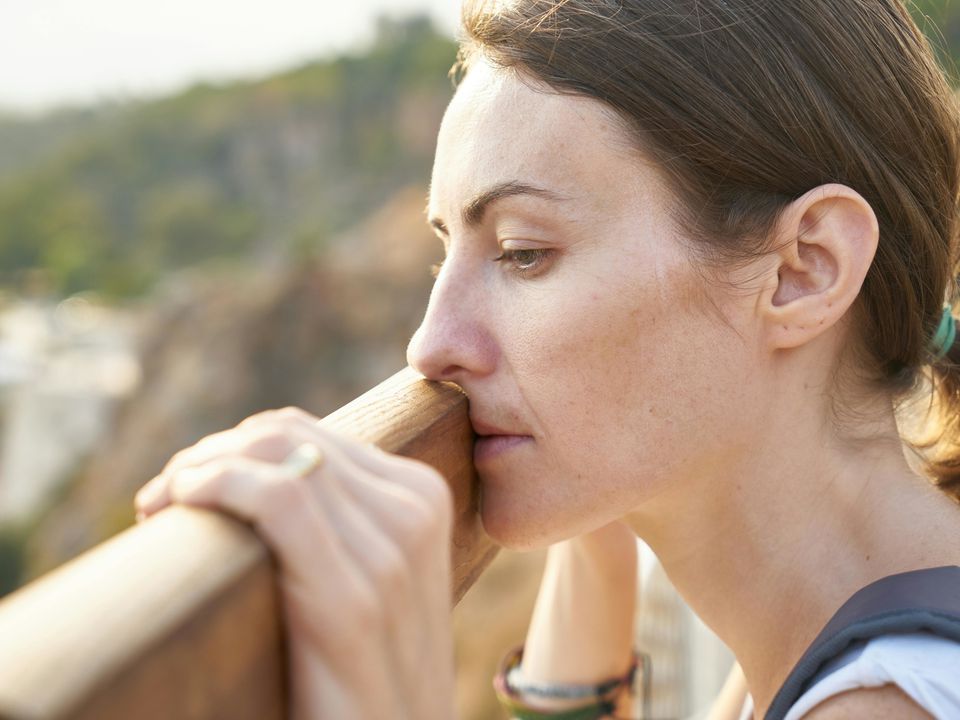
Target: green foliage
pixel 243 170
pixel 113 198
pixel 12 543
pixel 26 141
pixel 940 20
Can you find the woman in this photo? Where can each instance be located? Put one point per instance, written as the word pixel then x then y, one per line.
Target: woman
pixel 722 234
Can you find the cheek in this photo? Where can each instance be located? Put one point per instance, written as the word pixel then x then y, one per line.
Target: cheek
pixel 580 365
pixel 628 383
pixel 618 375
pixel 593 358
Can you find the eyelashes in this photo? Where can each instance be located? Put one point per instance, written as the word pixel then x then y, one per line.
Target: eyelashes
pixel 525 262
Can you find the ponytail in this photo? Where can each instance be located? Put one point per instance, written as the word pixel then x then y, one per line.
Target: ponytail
pixel 940 444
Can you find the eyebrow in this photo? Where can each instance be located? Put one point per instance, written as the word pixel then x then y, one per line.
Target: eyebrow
pixel 473 212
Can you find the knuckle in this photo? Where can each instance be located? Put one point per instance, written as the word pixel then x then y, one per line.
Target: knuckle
pixel 194 454
pixel 283 498
pixel 391 573
pixel 423 526
pixel 431 483
pixel 269 441
pixel 436 489
pixel 193 481
pixel 179 459
pixel 283 417
pixel 290 413
pixel 256 418
pixel 365 610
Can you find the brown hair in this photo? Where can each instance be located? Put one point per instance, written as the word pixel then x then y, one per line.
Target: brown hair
pixel 748 104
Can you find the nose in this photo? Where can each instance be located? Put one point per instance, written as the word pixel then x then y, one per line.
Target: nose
pixel 454 341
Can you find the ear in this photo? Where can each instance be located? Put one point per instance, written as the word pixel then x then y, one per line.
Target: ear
pixel 826 243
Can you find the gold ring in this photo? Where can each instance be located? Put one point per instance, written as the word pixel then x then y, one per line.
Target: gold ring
pixel 304 459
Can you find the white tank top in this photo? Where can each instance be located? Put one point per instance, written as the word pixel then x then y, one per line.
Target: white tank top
pixel 924 666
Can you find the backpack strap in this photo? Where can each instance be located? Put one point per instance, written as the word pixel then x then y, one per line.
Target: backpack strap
pixel 919 600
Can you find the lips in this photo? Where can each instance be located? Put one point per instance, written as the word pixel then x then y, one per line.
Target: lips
pixel 493 441
pixel 488 447
pixel 484 429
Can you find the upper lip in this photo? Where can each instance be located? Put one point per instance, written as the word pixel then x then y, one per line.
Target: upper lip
pixel 483 429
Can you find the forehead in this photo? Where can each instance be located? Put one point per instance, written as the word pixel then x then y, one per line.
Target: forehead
pixel 502 126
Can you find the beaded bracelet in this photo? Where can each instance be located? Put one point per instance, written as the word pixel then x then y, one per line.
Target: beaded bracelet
pixel 598 700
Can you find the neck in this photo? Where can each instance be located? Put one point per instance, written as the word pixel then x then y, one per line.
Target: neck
pixel 767 548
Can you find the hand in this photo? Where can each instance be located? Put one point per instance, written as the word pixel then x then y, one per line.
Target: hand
pixel 363 545
pixel 582 625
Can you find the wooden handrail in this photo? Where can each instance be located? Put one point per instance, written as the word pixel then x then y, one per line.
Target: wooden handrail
pixel 178 617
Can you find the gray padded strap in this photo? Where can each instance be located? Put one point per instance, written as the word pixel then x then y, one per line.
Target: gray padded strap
pixel 920 600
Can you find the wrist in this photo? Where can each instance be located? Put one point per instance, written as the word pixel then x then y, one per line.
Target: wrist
pixel 612 550
pixel 535 700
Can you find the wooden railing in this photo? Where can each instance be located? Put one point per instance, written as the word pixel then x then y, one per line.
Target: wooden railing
pixel 178 618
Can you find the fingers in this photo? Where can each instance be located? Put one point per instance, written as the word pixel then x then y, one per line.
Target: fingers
pixel 319 527
pixel 260 437
pixel 277 430
pixel 403 511
pixel 305 528
pixel 254 437
pixel 272 497
pixel 253 491
pixel 273 435
pixel 291 423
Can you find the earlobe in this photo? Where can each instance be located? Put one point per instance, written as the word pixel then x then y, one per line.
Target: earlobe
pixel 827 241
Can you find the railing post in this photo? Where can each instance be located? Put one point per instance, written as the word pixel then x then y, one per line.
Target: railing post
pixel 178 618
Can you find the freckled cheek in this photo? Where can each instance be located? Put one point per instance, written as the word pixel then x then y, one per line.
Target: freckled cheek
pixel 591 362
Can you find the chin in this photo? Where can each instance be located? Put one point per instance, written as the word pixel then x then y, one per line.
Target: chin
pixel 515 526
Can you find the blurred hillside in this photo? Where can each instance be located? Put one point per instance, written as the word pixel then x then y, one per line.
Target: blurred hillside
pixel 113 199
pixel 110 199
pixel 26 142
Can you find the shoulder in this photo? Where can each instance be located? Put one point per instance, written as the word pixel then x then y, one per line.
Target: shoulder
pixel 904 676
pixel 885 701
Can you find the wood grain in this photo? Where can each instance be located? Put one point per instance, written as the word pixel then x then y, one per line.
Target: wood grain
pixel 178 617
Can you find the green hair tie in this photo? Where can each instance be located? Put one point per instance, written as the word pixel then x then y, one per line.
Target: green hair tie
pixel 946 334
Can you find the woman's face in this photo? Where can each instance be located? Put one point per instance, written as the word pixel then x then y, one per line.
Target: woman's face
pixel 597 339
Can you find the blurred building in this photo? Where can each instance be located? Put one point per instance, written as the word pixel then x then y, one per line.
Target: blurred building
pixel 689 663
pixel 63 367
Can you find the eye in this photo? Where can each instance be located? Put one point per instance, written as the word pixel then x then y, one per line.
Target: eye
pixel 526 261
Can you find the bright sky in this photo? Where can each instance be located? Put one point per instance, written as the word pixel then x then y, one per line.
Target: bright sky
pixel 55 52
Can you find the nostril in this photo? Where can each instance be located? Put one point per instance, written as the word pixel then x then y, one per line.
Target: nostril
pixel 449 373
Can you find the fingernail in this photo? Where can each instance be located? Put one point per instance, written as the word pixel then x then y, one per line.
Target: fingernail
pixel 149 494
